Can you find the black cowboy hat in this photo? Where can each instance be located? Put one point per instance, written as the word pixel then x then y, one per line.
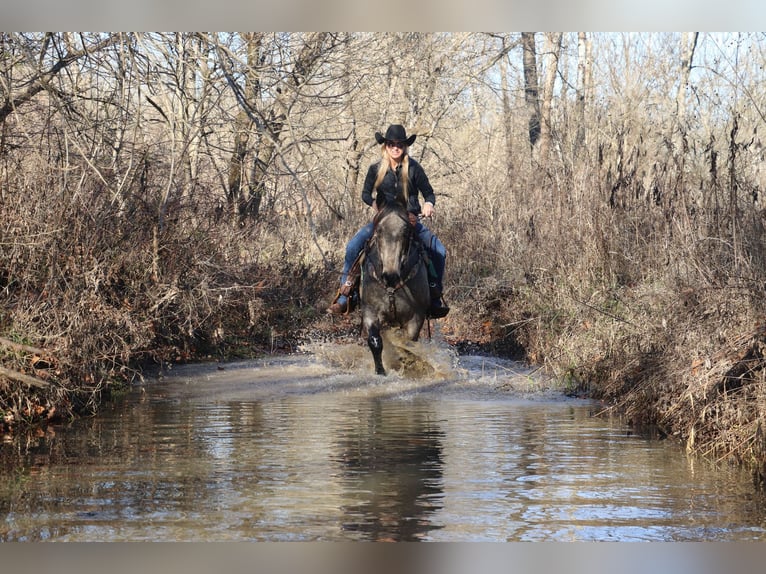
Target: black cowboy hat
pixel 395 133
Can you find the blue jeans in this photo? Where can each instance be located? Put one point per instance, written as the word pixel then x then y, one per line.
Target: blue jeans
pixel 436 252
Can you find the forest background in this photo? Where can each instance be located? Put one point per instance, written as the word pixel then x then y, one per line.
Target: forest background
pixel 182 196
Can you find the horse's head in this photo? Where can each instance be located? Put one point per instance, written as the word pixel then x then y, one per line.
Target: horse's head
pixel 393 230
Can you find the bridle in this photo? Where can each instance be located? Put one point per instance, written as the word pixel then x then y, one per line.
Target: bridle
pixel 406 258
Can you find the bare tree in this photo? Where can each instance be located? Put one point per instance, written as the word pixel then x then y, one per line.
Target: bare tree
pixel 507 116
pixel 584 63
pixel 237 191
pixel 688 45
pixel 271 115
pixel 551 58
pixel 531 88
pixel 43 60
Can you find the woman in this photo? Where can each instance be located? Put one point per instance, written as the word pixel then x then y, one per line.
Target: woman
pixel 396 175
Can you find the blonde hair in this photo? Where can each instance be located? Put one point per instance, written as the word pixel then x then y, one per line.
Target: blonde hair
pixel 385 162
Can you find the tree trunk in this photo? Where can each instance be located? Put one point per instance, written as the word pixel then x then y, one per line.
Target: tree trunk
pixel 269 141
pixel 531 92
pixel 584 52
pixel 237 194
pixel 688 45
pixel 552 53
pixel 734 188
pixel 507 118
pixel 355 149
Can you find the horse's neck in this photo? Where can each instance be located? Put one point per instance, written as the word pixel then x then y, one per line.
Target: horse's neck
pixel 396 213
pixel 394 227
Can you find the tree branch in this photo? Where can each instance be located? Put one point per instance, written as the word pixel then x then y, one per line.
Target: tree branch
pixel 40 82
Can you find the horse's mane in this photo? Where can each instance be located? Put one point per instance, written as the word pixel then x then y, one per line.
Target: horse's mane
pixel 388 207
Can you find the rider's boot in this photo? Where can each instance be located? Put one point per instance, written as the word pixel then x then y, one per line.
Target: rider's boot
pixel 339 307
pixel 438 309
pixel 345 303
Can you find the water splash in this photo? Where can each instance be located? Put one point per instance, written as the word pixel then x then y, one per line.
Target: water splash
pixel 429 359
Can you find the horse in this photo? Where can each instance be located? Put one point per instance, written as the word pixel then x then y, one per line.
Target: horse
pixel 394 285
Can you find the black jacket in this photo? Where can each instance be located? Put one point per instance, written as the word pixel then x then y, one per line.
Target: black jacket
pixel 391 186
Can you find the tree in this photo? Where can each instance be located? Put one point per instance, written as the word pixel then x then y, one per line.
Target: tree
pixel 688 45
pixel 269 107
pixel 584 63
pixel 531 89
pixel 42 60
pixel 238 193
pixel 552 53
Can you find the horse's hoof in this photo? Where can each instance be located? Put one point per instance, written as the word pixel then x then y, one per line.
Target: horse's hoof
pixel 381 372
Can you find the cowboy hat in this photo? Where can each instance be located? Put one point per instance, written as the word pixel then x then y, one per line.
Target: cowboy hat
pixel 395 133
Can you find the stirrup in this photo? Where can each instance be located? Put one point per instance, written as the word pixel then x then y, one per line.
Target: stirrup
pixel 352 301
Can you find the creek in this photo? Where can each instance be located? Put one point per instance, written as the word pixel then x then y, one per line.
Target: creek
pixel 315 447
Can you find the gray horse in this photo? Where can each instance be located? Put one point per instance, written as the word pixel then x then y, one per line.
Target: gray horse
pixel 394 289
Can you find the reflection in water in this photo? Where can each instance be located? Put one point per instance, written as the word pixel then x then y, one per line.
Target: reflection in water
pixel 391 465
pixel 291 450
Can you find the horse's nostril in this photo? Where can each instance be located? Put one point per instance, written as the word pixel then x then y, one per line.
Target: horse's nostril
pixel 391 279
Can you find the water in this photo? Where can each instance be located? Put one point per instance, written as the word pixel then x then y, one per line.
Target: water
pixel 316 448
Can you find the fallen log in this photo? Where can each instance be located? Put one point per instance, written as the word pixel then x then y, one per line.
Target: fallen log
pixel 22 378
pixel 20 347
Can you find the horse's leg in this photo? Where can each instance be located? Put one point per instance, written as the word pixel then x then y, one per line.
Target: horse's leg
pixel 375 342
pixel 414 327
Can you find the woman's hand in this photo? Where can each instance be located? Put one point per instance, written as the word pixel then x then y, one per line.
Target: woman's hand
pixel 428 209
